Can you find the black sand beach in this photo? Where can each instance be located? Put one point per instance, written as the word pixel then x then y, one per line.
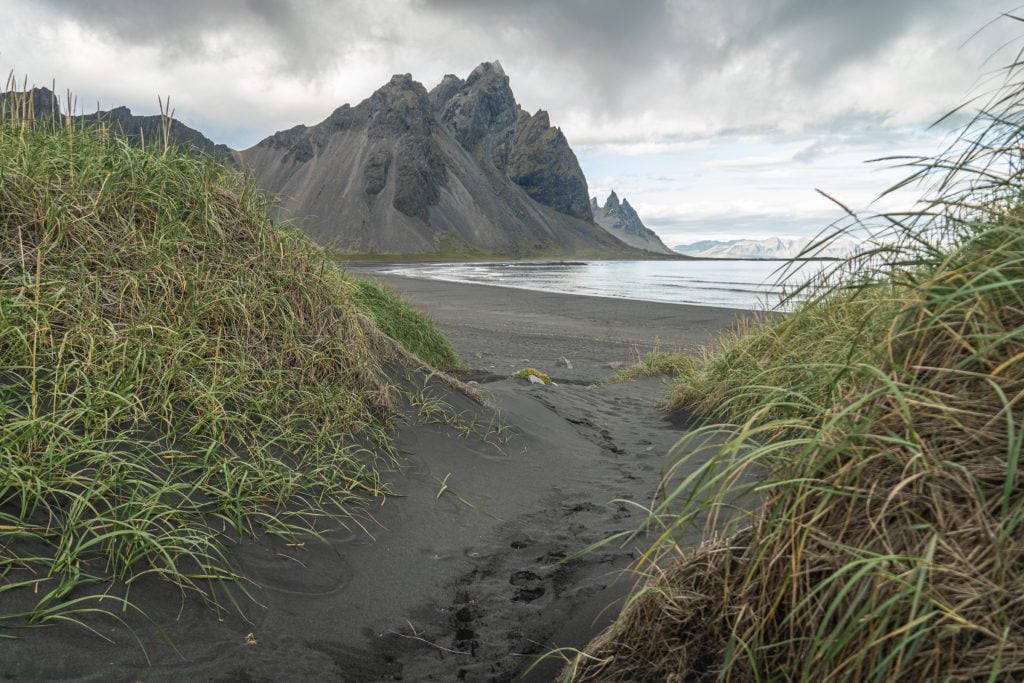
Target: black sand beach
pixel 463 578
pixel 498 329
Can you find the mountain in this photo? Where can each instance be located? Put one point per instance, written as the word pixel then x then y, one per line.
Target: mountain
pixel 771 248
pixel 41 104
pixel 37 104
pixel 150 129
pixel 621 220
pixel 459 169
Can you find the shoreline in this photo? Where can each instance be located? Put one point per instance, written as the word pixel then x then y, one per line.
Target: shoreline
pixel 468 568
pixel 741 291
pixel 498 329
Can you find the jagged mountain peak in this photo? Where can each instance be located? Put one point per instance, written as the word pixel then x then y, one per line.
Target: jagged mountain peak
pixel 621 219
pixel 400 86
pixel 487 70
pixel 543 119
pixel 399 107
pixel 480 105
pixel 443 91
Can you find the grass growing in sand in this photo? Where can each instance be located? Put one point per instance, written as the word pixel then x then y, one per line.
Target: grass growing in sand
pixel 654 363
pixel 882 425
pixel 402 323
pixel 527 373
pixel 175 370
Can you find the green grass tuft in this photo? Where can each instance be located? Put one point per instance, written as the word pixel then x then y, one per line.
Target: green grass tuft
pixel 526 373
pixel 657 362
pixel 175 371
pixel 415 331
pixel 794 365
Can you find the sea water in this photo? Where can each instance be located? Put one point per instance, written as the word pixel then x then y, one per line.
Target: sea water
pixel 713 282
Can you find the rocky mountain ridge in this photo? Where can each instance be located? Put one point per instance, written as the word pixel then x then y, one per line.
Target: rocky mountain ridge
pixel 621 220
pixel 459 170
pixel 42 104
pixel 770 248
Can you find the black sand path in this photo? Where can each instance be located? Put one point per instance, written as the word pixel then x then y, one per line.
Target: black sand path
pixel 465 579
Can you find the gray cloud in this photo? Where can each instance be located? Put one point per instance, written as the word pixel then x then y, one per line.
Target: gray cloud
pixel 829 34
pixel 609 71
pixel 811 152
pixel 646 44
pixel 619 50
pixel 306 35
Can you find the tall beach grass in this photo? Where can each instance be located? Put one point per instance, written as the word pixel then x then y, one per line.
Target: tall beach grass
pixel 175 369
pixel 880 428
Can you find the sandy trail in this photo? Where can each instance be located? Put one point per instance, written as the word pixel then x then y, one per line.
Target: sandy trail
pixel 464 577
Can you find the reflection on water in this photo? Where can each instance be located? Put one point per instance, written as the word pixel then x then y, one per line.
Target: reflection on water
pixel 732 284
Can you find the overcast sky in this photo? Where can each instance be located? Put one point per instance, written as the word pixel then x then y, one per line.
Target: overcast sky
pixel 716 119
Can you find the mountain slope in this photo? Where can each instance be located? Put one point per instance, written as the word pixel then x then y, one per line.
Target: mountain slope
pixel 459 169
pixel 622 221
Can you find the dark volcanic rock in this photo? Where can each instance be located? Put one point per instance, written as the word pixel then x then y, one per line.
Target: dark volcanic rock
pixel 401 107
pixel 631 222
pixel 461 168
pixel 543 164
pixel 400 112
pixel 482 114
pixel 38 104
pixel 482 104
pixel 375 173
pixel 149 130
pixel 300 143
pixel 445 90
pixel 297 146
pixel 419 176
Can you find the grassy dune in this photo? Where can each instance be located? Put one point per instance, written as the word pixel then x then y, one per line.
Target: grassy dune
pixel 880 428
pixel 175 370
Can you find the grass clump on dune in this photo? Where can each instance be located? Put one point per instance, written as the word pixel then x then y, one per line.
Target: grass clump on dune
pixel 880 428
pixel 401 322
pixel 176 370
pixel 787 366
pixel 654 363
pixel 527 373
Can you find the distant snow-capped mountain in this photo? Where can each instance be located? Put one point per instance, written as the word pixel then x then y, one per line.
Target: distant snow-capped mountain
pixel 771 248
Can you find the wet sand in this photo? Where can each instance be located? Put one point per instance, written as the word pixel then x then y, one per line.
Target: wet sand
pixel 469 573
